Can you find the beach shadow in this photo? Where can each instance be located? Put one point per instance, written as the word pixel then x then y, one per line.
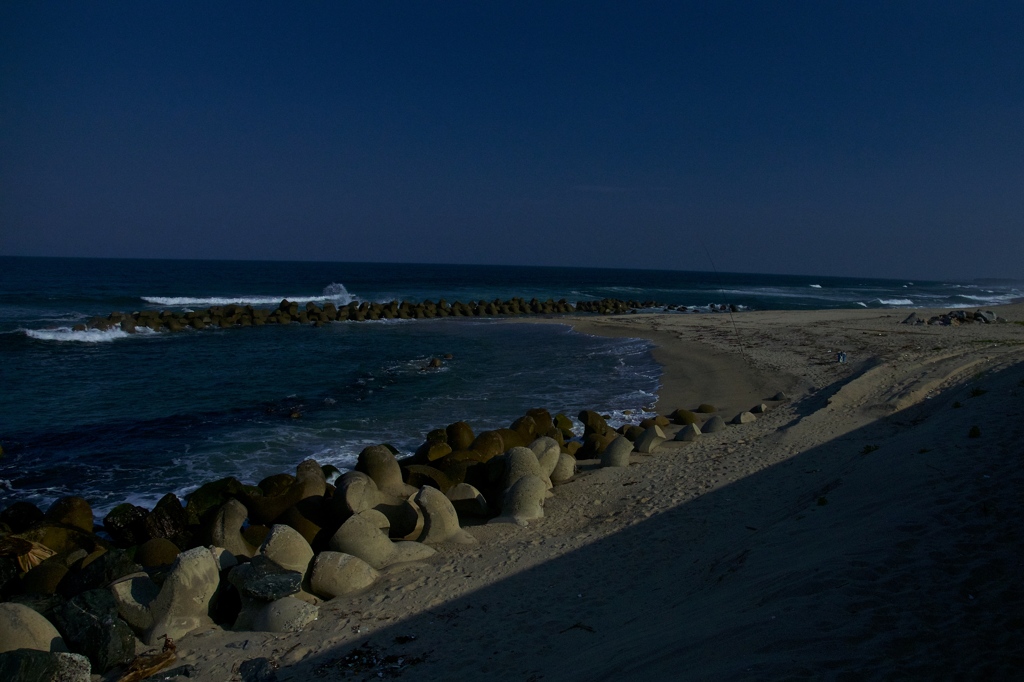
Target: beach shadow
pixel 834 564
pixel 820 398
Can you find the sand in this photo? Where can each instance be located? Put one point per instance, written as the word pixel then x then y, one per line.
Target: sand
pixel 855 531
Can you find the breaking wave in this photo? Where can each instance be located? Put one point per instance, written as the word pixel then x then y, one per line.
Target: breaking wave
pixel 334 292
pixel 68 334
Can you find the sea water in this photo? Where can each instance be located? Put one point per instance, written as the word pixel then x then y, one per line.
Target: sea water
pixel 116 417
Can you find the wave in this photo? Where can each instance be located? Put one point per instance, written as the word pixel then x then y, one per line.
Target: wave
pixel 334 293
pixel 815 286
pixel 894 301
pixel 68 334
pixel 993 299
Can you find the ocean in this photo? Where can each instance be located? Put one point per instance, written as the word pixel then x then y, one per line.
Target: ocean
pixel 117 417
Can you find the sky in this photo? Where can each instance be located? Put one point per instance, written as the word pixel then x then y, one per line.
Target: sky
pixel 871 139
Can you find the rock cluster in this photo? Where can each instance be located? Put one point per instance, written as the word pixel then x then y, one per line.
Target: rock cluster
pixel 956 317
pixel 318 315
pixel 262 557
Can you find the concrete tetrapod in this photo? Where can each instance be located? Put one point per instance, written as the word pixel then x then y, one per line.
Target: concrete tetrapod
pixel 23 628
pixel 286 547
pixel 184 600
pixel 565 469
pixel 688 433
pixel 713 425
pixel 519 462
pixel 651 438
pixel 547 451
pixel 441 522
pixel 287 614
pixel 358 493
pixel 617 454
pixel 133 594
pixel 226 530
pixel 744 418
pixel 310 479
pixel 380 464
pixel 467 500
pixel 363 535
pixel 523 502
pixel 336 574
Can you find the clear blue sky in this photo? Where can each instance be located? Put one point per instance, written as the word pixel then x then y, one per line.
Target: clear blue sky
pixel 858 138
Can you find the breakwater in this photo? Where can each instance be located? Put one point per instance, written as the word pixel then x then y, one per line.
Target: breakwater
pixel 264 557
pixel 311 313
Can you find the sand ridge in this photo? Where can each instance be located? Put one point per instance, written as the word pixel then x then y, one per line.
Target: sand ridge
pixel 855 531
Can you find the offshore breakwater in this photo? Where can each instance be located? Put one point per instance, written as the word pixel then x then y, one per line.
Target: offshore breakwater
pixel 311 313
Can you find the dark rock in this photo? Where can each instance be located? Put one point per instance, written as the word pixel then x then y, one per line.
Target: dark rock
pixel 61 538
pixel 255 534
pixel 278 484
pixel 44 578
pixel 102 571
pixel 419 475
pixel 437 436
pixel 168 520
pixel 29 665
pixel 21 516
pixel 71 511
pixel 592 423
pixel 157 552
pixel 526 427
pixel 263 580
pixel 545 425
pixel 204 503
pixel 43 604
pixel 90 626
pixel 297 517
pixel 632 432
pixel 460 436
pixel 512 439
pixel 258 670
pixel 488 444
pixel 331 472
pixel 705 408
pixel 265 507
pixel 655 421
pixel 594 444
pixel 186 671
pixel 126 524
pixel 684 417
pixel 429 452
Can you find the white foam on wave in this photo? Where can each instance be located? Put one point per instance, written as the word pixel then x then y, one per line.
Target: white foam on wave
pixel 68 334
pixel 334 293
pixel 815 286
pixel 894 301
pixel 993 299
pixel 62 334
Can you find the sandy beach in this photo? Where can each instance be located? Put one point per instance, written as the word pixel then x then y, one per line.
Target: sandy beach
pixel 855 531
